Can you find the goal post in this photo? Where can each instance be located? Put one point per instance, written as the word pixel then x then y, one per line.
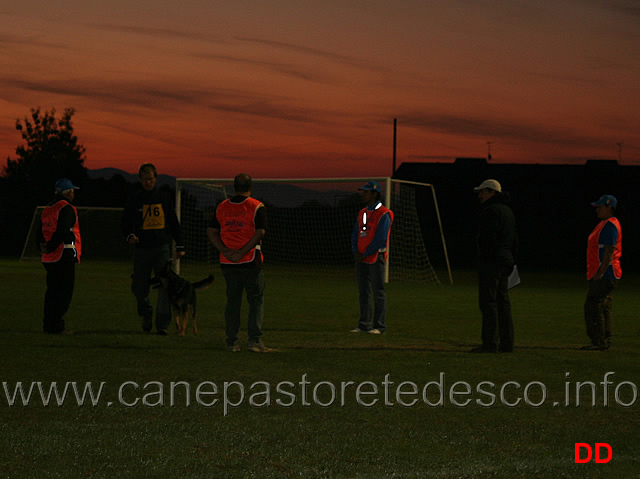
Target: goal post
pixel 99 229
pixel 310 223
pixel 438 219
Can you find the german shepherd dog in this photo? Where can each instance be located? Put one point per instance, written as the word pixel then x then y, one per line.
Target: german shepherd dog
pixel 182 295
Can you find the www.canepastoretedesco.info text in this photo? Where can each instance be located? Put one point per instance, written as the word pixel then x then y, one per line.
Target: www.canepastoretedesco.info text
pixel 307 392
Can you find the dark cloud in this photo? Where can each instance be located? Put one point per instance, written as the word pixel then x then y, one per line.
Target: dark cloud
pixel 268 110
pixel 630 8
pixel 506 129
pixel 118 93
pixel 158 33
pixel 11 43
pixel 280 68
pixel 317 53
pixel 167 98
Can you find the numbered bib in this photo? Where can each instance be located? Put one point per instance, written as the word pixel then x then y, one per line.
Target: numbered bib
pixel 152 217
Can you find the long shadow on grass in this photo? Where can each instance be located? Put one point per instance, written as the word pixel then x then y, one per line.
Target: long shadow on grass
pixel 87 332
pixel 138 340
pixel 431 348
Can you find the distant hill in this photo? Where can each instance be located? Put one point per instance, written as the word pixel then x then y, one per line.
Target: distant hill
pixel 108 173
pixel 276 194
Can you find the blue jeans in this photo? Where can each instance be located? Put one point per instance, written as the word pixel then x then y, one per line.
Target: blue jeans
pixel 240 279
pixel 371 283
pixel 146 261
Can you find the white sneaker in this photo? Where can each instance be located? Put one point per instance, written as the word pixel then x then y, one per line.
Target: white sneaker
pixel 356 330
pixel 258 347
pixel 374 331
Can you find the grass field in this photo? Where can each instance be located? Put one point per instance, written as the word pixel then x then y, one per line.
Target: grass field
pixel 336 430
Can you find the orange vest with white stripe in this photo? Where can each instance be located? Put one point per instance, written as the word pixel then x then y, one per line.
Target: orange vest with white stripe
pixel 237 226
pixel 593 249
pixel 367 226
pixel 49 219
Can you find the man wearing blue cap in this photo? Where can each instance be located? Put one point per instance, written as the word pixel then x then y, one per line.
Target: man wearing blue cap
pixel 369 246
pixel 61 248
pixel 604 249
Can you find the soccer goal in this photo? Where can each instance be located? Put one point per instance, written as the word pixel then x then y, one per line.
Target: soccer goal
pixel 99 229
pixel 310 222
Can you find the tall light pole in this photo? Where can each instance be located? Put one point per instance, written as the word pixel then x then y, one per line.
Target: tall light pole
pixel 395 136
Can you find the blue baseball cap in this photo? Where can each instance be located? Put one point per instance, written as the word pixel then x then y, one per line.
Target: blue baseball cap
pixel 371 186
pixel 606 200
pixel 64 184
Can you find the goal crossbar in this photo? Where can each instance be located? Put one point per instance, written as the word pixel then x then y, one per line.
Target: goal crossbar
pixel 222 188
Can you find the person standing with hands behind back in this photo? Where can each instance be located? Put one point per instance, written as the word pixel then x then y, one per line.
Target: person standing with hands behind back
pixel 369 246
pixel 604 249
pixel 61 248
pixel 149 222
pixel 236 230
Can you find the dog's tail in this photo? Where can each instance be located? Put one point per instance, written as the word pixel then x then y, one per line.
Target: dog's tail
pixel 204 283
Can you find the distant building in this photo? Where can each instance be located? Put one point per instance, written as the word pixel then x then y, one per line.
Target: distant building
pixel 551 203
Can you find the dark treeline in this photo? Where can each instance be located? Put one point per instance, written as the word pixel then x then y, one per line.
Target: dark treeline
pixel 551 202
pixel 19 202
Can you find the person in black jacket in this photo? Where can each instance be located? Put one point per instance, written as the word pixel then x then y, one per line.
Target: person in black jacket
pixel 497 243
pixel 149 222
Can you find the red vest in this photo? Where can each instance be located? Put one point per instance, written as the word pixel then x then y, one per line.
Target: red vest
pixel 49 219
pixel 367 225
pixel 237 226
pixel 593 250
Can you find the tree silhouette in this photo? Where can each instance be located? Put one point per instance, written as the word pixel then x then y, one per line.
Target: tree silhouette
pixel 50 151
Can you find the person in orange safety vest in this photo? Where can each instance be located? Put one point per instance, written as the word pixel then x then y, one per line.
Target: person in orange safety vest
pixel 61 247
pixel 369 242
pixel 604 249
pixel 236 230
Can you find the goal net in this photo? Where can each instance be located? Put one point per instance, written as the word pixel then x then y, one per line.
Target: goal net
pixel 99 229
pixel 310 223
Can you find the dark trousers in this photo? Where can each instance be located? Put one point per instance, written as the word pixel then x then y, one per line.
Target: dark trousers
pixel 240 279
pixel 495 305
pixel 597 311
pixel 57 299
pixel 371 283
pixel 145 262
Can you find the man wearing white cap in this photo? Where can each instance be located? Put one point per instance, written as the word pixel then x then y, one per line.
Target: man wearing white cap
pixel 61 248
pixel 604 249
pixel 497 244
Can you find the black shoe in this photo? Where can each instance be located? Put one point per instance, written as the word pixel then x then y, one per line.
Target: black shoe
pixel 146 323
pixel 482 349
pixel 162 332
pixel 592 347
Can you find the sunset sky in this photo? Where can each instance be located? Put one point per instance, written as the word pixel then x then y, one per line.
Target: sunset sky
pixel 310 88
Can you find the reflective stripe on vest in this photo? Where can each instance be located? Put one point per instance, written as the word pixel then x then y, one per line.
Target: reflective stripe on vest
pixel 594 246
pixel 367 226
pixel 49 220
pixel 237 226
